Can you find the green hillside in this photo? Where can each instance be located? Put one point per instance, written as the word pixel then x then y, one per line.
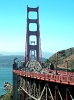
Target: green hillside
pixel 8 60
pixel 67 55
pixel 8 96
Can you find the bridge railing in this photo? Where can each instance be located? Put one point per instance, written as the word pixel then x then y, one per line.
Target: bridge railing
pixel 63 72
pixel 60 78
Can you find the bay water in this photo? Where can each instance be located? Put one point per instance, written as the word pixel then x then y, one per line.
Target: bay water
pixel 5 76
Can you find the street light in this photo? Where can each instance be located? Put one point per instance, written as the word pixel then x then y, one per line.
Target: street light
pixel 67 65
pixel 15 59
pixel 56 61
pixel 59 52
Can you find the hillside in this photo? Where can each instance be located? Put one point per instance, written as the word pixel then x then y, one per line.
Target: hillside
pixel 7 96
pixel 7 61
pixel 1 55
pixel 68 55
pixel 4 53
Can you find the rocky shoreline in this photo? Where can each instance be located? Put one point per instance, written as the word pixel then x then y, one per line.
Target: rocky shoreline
pixel 7 87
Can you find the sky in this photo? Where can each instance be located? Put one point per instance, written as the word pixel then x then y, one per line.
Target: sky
pixel 56 19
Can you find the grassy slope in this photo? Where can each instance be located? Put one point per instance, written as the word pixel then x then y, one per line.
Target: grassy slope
pixel 69 55
pixel 7 96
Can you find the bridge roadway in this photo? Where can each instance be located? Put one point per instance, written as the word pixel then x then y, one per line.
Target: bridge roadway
pixel 33 82
pixel 62 77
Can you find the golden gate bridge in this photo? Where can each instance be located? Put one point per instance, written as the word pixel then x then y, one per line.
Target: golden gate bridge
pixel 31 81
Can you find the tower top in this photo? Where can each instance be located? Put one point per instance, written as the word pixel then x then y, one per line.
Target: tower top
pixel 35 9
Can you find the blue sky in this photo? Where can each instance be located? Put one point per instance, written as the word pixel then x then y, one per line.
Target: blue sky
pixel 56 24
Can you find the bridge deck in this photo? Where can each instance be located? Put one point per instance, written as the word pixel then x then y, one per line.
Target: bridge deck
pixel 62 77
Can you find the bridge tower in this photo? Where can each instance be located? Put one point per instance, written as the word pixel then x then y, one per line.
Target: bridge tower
pixel 29 47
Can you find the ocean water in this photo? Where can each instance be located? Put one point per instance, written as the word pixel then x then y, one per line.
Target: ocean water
pixel 5 76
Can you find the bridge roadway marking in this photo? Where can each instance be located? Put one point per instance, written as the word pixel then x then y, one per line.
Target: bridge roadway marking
pixel 60 78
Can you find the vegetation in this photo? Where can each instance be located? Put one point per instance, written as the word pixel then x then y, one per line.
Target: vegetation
pixel 62 58
pixel 8 96
pixel 62 65
pixel 8 60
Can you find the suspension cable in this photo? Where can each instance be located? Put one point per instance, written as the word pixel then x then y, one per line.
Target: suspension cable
pixel 70 94
pixel 51 93
pixel 42 93
pixel 59 93
pixel 29 94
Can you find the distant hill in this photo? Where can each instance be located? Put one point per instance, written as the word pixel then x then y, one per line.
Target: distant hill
pixel 1 55
pixel 6 58
pixel 44 54
pixel 44 59
pixel 7 61
pixel 68 55
pixel 4 53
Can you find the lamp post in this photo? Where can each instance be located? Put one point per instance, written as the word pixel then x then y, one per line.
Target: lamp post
pixel 56 61
pixel 59 52
pixel 15 66
pixel 66 65
pixel 15 59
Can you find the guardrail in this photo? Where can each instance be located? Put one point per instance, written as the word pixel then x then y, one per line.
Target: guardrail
pixel 60 78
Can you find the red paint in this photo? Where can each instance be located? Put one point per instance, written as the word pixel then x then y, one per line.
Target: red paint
pixel 61 78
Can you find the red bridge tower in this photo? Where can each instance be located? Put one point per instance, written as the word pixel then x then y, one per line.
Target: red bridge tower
pixel 30 45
